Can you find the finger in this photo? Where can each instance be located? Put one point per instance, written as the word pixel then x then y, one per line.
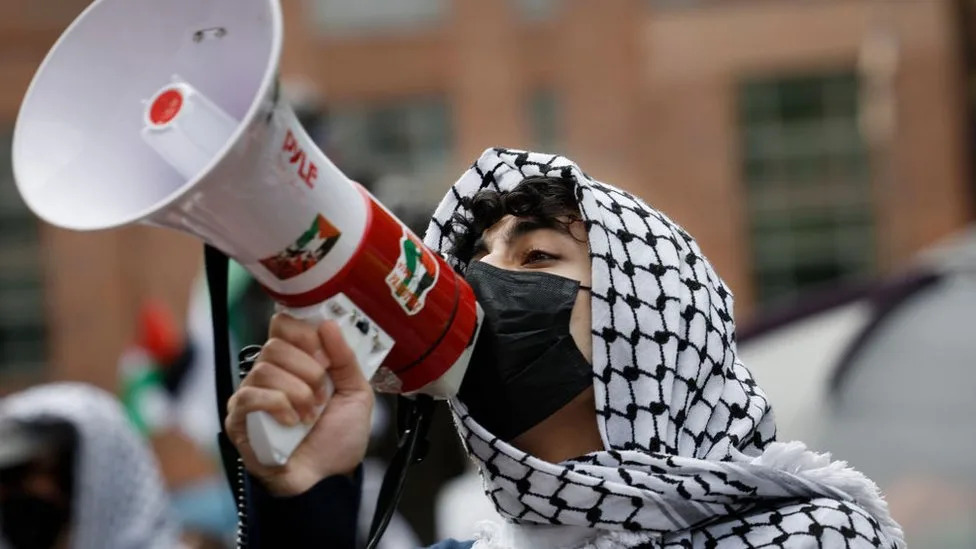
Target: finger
pixel 296 361
pixel 344 368
pixel 258 399
pixel 301 396
pixel 297 332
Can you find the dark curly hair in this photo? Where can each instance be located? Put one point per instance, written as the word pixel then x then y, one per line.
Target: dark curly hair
pixel 549 201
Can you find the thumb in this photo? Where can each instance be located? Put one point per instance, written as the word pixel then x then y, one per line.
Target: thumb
pixel 343 366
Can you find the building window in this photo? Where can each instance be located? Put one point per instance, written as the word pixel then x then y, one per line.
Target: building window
pixel 537 10
pixel 410 138
pixel 805 167
pixel 22 326
pixel 664 4
pixel 366 16
pixel 544 119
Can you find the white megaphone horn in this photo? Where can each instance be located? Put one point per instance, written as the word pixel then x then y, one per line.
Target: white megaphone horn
pixel 167 113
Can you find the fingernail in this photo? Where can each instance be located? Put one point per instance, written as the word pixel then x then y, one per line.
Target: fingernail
pixel 310 418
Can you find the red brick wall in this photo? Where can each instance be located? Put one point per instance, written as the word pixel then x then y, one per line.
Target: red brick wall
pixel 647 100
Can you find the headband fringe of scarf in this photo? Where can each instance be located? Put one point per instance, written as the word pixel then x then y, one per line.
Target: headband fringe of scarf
pixel 690 458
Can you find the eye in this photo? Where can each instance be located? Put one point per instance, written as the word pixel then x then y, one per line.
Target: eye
pixel 535 256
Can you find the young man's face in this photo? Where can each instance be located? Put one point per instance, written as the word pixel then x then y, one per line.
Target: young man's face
pixel 520 244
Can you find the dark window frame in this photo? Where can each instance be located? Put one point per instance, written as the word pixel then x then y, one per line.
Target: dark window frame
pixel 804 166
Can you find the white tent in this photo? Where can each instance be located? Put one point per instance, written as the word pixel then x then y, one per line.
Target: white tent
pixel 888 382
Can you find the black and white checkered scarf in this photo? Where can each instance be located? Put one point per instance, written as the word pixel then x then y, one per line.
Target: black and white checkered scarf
pixel 119 499
pixel 690 458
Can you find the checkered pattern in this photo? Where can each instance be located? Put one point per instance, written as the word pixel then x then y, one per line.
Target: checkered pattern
pixel 119 501
pixel 819 522
pixel 688 433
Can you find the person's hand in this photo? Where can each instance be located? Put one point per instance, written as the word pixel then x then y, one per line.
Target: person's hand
pixel 288 382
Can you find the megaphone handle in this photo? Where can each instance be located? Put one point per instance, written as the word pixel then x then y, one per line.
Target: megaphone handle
pixel 272 442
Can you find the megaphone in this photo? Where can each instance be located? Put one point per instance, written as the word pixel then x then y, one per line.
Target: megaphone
pixel 169 114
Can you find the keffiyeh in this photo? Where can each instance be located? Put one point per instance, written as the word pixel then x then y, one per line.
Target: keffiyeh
pixel 690 458
pixel 119 499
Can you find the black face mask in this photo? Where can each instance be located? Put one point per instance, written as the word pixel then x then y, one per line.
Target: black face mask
pixel 30 522
pixel 525 364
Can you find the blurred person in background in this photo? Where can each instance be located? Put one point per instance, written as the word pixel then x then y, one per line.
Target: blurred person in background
pixel 604 405
pixel 75 475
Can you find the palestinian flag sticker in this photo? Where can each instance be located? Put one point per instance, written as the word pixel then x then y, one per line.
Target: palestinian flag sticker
pixel 304 253
pixel 413 275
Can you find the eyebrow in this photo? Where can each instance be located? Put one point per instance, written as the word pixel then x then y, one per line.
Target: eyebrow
pixel 521 228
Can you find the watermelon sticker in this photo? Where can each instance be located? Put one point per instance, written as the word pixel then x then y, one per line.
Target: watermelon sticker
pixel 304 253
pixel 413 275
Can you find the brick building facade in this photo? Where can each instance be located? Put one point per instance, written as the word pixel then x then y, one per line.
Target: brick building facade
pixel 742 120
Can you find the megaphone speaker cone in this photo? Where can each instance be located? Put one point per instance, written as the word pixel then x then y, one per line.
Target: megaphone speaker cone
pixel 74 157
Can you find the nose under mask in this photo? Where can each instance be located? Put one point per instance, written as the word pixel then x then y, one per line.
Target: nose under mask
pixel 525 365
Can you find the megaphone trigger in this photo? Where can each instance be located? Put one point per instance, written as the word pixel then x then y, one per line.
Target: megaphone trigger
pixel 368 340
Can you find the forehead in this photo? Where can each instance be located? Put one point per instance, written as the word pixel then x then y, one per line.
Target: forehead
pixel 511 229
pixel 501 228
